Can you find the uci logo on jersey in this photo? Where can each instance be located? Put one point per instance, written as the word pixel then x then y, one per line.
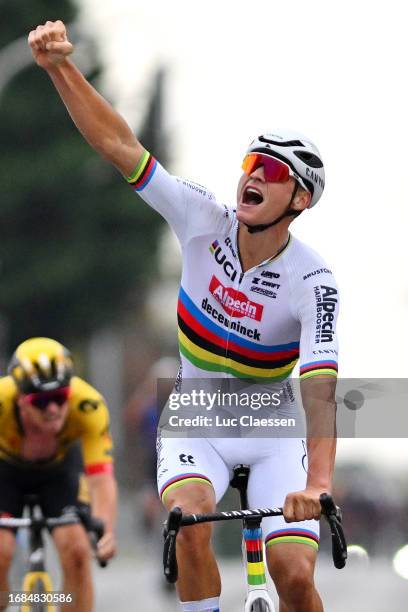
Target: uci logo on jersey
pixel 221 259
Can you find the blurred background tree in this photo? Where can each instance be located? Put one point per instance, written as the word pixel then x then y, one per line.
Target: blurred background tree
pixel 75 241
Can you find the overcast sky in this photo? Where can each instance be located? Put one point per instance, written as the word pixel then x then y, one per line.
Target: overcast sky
pixel 335 74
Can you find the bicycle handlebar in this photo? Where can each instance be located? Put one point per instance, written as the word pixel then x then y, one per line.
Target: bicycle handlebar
pixel 176 520
pixel 193 519
pixel 74 516
pixel 69 518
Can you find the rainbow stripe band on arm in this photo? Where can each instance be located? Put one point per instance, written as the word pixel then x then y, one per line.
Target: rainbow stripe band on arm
pixel 143 172
pixel 318 368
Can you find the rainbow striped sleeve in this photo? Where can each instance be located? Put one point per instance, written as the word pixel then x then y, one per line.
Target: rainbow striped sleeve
pixel 143 172
pixel 328 367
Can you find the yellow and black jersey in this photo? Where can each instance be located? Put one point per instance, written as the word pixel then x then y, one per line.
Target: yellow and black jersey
pixel 87 421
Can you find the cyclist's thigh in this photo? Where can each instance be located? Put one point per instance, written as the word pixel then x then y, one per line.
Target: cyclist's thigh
pixel 7 548
pixel 290 563
pixel 72 542
pixel 10 505
pixel 189 461
pixel 272 477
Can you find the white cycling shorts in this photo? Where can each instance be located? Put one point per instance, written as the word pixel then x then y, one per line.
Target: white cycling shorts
pixel 278 466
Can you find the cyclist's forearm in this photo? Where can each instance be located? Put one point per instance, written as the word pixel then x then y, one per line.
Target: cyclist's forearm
pixel 319 402
pixel 103 492
pixel 321 457
pixel 105 130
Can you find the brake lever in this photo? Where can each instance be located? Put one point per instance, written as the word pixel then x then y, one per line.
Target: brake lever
pixel 171 529
pixel 333 516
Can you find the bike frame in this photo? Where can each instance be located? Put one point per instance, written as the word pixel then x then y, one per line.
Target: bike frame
pixel 253 553
pixel 36 561
pixel 252 547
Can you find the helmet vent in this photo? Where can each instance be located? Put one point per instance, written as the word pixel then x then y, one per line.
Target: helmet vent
pixel 54 370
pixel 309 158
pixel 279 143
pixel 37 367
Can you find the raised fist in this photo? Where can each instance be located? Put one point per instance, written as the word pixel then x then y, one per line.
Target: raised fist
pixel 49 44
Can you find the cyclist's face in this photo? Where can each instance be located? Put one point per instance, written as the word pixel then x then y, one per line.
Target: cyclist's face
pixel 260 201
pixel 50 418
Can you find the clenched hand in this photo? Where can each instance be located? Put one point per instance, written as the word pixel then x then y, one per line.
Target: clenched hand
pixel 49 44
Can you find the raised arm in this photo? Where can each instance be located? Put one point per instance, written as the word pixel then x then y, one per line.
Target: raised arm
pixel 105 130
pixel 188 208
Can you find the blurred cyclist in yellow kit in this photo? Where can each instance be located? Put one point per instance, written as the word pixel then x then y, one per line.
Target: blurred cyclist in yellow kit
pixel 45 411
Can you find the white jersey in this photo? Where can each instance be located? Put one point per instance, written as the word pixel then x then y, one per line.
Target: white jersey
pixel 244 325
pixel 255 324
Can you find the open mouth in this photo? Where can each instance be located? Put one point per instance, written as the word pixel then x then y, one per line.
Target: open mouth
pixel 252 196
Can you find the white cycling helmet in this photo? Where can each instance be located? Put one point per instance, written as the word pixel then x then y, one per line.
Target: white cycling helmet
pixel 301 155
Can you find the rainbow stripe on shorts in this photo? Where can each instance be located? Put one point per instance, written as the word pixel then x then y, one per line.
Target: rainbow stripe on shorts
pixel 182 479
pixel 295 534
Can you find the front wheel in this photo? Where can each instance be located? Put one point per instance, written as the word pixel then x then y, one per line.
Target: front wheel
pixel 260 605
pixel 40 589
